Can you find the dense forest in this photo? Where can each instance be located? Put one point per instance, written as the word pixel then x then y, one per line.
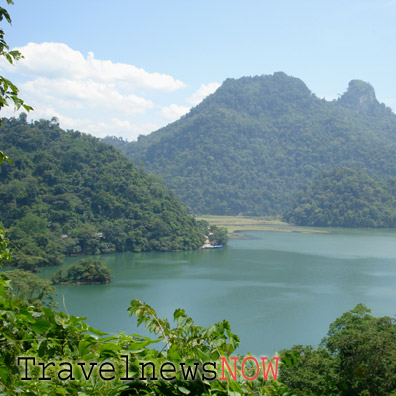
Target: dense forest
pixel 250 146
pixel 68 193
pixel 345 197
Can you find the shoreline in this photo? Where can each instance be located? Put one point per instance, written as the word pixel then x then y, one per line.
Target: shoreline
pixel 238 224
pixel 80 283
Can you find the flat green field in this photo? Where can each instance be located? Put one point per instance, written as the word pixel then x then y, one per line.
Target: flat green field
pixel 246 223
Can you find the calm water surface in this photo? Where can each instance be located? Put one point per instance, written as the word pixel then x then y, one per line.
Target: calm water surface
pixel 276 289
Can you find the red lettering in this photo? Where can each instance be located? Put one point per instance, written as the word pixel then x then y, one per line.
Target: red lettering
pixel 257 366
pixel 274 372
pixel 233 375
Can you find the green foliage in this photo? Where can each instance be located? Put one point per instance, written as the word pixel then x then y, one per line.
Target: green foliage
pixel 366 349
pixel 212 342
pixel 47 336
pixel 309 371
pixel 250 146
pixel 32 331
pixel 8 91
pixel 31 288
pixel 218 235
pixel 193 344
pixel 5 256
pixel 357 358
pixel 68 193
pixel 85 271
pixel 345 197
pixel 3 157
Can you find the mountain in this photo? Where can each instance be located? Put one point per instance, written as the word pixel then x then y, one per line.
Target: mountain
pixel 251 145
pixel 345 197
pixel 68 193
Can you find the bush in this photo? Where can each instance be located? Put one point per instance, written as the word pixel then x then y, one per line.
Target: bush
pixel 85 271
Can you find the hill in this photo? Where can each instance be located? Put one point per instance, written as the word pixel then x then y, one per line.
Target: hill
pixel 250 146
pixel 68 193
pixel 345 197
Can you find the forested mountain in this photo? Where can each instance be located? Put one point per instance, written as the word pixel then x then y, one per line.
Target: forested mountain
pixel 345 197
pixel 68 193
pixel 247 148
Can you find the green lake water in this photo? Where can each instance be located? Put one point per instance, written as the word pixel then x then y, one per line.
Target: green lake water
pixel 276 289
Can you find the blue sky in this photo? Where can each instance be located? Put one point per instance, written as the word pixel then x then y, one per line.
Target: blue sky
pixel 128 67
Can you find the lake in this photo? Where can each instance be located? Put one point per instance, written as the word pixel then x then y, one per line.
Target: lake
pixel 276 289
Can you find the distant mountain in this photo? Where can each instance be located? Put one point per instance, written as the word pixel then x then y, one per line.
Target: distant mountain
pixel 345 197
pixel 68 193
pixel 250 146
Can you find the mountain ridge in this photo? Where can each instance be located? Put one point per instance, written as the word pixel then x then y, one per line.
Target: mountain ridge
pixel 251 145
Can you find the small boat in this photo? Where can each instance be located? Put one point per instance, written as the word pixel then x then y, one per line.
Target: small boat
pixel 212 246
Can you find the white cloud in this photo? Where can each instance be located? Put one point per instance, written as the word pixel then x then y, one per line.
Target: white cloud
pixel 100 97
pixel 127 130
pixel 69 93
pixel 202 93
pixel 62 77
pixel 99 128
pixel 96 96
pixel 57 60
pixel 174 112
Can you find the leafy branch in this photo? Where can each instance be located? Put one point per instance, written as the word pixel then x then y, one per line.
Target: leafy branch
pixel 8 90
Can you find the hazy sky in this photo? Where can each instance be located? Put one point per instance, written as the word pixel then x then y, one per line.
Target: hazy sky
pixel 128 67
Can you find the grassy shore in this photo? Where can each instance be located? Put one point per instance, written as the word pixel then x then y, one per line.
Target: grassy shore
pixel 236 224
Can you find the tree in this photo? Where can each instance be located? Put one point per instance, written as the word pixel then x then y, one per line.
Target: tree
pixel 357 358
pixel 309 371
pixel 85 271
pixel 218 235
pixel 366 350
pixel 31 288
pixel 5 255
pixel 8 91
